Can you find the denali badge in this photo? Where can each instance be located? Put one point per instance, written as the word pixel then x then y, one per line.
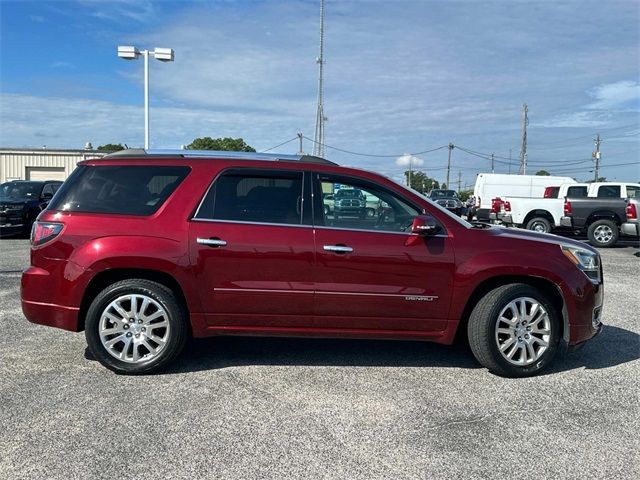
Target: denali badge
pixel 420 298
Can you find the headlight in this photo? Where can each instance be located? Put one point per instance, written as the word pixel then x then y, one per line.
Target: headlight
pixel 585 260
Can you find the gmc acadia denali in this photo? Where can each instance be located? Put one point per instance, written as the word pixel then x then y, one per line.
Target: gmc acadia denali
pixel 144 249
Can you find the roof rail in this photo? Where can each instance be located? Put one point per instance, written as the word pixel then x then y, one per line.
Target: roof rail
pixel 219 154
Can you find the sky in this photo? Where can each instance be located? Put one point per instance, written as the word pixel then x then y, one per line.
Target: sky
pixel 401 77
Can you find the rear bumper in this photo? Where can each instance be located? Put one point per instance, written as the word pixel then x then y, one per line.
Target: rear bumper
pixel 51 315
pixel 566 222
pixel 41 302
pixel 630 228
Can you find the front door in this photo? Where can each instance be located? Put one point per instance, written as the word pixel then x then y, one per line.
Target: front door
pixel 371 272
pixel 252 247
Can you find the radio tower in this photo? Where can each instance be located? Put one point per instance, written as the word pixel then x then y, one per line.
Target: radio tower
pixel 318 146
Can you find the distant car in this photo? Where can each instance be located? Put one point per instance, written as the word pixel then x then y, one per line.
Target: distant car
pixel 328 203
pixel 349 202
pixel 447 199
pixel 21 202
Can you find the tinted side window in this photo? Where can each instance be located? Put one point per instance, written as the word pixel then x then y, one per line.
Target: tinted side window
pixel 577 192
pixel 263 197
pixel 363 207
pixel 48 189
pixel 609 191
pixel 131 190
pixel 633 191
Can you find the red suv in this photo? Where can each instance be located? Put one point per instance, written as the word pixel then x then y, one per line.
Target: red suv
pixel 143 250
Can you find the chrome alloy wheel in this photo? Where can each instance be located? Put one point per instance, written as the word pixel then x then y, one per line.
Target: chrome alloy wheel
pixel 523 331
pixel 603 233
pixel 134 328
pixel 539 227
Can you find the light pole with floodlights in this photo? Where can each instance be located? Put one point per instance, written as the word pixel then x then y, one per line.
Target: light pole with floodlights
pixel 132 53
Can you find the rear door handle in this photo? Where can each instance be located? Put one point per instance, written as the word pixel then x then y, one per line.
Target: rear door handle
pixel 338 248
pixel 211 242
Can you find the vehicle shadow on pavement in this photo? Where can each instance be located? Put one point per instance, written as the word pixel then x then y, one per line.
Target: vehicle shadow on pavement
pixel 221 352
pixel 614 346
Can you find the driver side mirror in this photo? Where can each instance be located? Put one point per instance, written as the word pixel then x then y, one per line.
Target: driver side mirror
pixel 425 225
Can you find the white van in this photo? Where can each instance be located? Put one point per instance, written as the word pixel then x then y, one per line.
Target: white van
pixel 493 185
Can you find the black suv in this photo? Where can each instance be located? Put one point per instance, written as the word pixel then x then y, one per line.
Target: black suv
pixel 20 203
pixel 448 199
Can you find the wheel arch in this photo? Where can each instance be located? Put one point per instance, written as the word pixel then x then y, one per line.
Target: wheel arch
pixel 109 276
pixel 549 288
pixel 539 213
pixel 603 215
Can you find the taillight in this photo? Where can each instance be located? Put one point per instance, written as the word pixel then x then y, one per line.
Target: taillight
pixel 567 208
pixel 632 213
pixel 43 232
pixel 507 206
pixel 496 205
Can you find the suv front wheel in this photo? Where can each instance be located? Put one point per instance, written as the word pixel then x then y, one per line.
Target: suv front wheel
pixel 514 331
pixel 135 326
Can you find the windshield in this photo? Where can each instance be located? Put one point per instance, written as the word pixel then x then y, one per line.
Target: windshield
pixel 443 194
pixel 351 193
pixel 20 190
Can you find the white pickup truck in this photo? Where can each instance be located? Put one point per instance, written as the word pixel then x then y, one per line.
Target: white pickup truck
pixel 544 214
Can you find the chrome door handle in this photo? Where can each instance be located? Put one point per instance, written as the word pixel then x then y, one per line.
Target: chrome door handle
pixel 212 242
pixel 338 248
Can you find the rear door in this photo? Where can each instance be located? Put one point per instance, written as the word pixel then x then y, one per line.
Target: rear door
pixel 251 242
pixel 372 273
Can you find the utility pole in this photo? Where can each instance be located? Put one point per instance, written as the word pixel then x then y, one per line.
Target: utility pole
pixel 523 149
pixel 596 155
pixel 493 164
pixel 318 146
pixel 459 180
pixel 299 134
pixel 410 164
pixel 451 147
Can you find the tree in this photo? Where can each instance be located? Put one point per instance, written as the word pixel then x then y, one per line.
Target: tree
pixel 464 195
pixel 111 147
pixel 421 182
pixel 543 173
pixel 227 144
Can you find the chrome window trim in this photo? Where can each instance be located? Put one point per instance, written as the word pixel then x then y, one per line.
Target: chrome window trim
pixel 267 224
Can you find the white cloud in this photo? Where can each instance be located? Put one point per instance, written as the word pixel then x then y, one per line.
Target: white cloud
pixel 616 95
pixel 408 159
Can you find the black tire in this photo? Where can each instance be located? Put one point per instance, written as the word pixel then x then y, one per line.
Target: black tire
pixel 539 224
pixel 603 233
pixel 484 337
pixel 176 333
pixel 370 212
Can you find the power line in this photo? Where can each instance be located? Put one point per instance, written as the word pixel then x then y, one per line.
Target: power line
pixel 375 155
pixel 279 145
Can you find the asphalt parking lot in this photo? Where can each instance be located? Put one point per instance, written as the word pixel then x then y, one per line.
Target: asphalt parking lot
pixel 281 408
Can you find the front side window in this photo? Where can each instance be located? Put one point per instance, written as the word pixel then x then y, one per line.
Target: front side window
pixel 361 206
pixel 256 197
pixel 125 190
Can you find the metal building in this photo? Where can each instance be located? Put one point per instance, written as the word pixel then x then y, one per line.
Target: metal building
pixel 41 163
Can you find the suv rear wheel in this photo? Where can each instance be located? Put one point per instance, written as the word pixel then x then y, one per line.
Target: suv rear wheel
pixel 135 326
pixel 603 233
pixel 514 331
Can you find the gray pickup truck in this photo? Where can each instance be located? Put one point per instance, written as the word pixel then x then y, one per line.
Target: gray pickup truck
pixel 601 218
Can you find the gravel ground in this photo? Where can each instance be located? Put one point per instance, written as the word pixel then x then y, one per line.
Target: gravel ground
pixel 282 408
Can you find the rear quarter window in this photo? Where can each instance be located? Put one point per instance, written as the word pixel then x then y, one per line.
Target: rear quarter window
pixel 125 190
